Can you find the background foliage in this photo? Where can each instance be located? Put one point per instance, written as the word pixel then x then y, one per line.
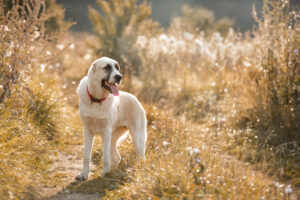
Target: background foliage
pixel 223 107
pixel 117 29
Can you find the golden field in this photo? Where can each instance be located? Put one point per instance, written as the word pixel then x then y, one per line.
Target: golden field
pixel 223 107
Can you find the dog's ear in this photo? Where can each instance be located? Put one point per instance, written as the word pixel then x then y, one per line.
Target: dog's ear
pixel 94 67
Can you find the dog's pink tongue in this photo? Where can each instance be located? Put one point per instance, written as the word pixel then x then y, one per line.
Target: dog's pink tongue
pixel 114 90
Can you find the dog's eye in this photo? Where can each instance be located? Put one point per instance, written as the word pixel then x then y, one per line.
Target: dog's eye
pixel 107 67
pixel 117 67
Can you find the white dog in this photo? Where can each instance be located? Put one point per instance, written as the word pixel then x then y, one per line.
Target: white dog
pixel 106 112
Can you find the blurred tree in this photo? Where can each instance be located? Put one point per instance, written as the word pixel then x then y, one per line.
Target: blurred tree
pixel 196 20
pixel 117 27
pixel 55 12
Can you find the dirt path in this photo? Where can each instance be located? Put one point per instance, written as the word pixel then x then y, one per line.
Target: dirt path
pixel 67 166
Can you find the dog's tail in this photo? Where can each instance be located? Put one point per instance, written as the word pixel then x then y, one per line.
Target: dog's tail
pixel 139 136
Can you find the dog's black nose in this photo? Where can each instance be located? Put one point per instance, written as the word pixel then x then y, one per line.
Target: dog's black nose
pixel 118 78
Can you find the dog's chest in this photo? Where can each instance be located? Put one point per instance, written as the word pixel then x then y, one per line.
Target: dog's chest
pixel 95 126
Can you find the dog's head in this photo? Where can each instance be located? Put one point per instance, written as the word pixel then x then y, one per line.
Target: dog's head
pixel 105 72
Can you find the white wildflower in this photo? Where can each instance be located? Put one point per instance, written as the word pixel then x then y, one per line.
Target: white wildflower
pixel 296 51
pixel 165 143
pixel 153 127
pixel 172 39
pixel 43 66
pixel 246 64
pixel 278 185
pixel 199 42
pixel 141 41
pixel 36 34
pixel 288 190
pixel 72 46
pixel 11 195
pixel 87 56
pixel 163 37
pixel 181 45
pixel 7 53
pixel 5 28
pixel 48 53
pixel 188 35
pixel 196 150
pixel 11 44
pixel 189 148
pixel 154 43
pixel 60 46
pixel 164 49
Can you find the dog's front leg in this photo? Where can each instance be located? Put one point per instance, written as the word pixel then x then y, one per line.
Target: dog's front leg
pixel 88 144
pixel 106 140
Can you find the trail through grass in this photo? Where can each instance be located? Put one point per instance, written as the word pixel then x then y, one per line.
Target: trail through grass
pixel 185 160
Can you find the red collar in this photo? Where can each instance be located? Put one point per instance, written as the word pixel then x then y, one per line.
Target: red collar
pixel 94 100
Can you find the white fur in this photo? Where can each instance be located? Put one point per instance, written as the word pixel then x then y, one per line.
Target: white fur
pixel 111 119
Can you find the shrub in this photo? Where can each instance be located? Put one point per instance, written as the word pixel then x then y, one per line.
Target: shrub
pixel 29 93
pixel 54 11
pixel 196 20
pixel 272 94
pixel 248 81
pixel 117 29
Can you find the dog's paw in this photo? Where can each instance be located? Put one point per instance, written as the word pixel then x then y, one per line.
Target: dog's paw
pixel 81 178
pixel 106 174
pixel 105 171
pixel 115 161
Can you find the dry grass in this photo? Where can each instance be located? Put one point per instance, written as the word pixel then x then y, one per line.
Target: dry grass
pixel 30 99
pixel 223 112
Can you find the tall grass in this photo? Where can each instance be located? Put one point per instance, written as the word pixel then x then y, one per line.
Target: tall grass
pixel 29 97
pixel 270 102
pixel 211 99
pixel 183 162
pixel 219 98
pixel 273 77
pixel 117 28
pixel 244 81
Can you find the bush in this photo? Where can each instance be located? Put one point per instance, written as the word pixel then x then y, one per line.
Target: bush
pixel 55 12
pixel 26 145
pixel 244 81
pixel 273 91
pixel 196 20
pixel 117 29
pixel 29 93
pixel 269 101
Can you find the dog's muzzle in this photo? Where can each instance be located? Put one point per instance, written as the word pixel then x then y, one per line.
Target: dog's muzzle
pixel 118 78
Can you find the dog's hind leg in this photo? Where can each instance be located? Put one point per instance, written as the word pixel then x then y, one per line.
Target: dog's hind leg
pixel 139 136
pixel 116 134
